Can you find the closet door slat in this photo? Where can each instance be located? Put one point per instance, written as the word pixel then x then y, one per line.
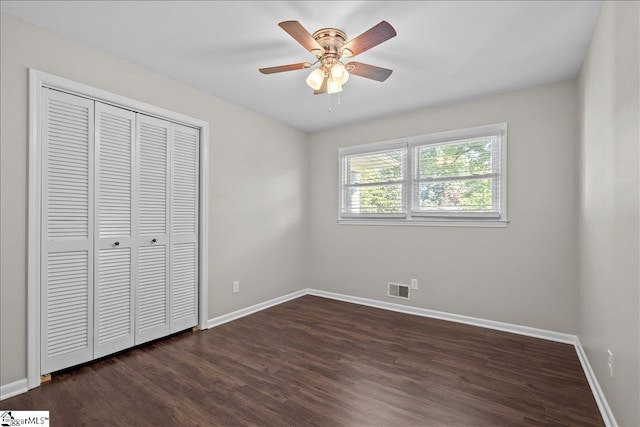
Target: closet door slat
pixel 67 237
pixel 184 226
pixel 153 172
pixel 115 213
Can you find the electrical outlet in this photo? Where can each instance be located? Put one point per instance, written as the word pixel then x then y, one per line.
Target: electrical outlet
pixel 610 362
pixel 236 287
pixel 414 284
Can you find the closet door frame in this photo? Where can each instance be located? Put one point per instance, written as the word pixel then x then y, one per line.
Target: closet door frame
pixel 37 81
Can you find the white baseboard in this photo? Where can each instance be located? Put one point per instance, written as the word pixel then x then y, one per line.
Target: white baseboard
pixel 220 320
pixel 601 401
pixel 424 312
pixel 20 386
pixel 13 389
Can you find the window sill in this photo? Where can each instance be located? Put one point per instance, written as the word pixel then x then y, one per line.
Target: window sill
pixel 493 223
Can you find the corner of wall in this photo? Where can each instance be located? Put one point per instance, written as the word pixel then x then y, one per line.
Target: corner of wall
pixel 609 210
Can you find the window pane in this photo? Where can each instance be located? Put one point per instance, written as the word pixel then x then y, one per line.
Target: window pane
pixel 378 199
pixel 456 196
pixel 466 158
pixel 383 166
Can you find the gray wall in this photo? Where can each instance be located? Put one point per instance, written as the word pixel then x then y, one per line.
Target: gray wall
pixel 258 180
pixel 525 274
pixel 609 208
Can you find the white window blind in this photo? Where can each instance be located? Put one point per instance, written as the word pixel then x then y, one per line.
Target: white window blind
pixel 449 178
pixel 457 178
pixel 374 183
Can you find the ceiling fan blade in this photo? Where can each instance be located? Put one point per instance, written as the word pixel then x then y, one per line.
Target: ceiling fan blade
pixel 372 37
pixel 281 68
pixel 368 71
pixel 323 88
pixel 302 36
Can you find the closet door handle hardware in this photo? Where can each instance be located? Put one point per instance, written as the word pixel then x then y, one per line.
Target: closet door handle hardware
pixel 153 240
pixel 117 243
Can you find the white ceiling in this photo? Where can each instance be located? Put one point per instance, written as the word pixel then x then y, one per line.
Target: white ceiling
pixel 445 50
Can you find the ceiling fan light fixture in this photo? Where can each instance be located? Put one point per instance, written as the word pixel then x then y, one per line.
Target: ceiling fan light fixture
pixel 339 73
pixel 315 79
pixel 333 86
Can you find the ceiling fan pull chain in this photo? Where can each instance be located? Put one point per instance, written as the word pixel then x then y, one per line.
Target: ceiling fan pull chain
pixel 329 98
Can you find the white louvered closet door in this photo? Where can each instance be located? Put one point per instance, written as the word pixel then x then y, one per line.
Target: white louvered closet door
pixel 152 299
pixel 184 227
pixel 66 231
pixel 119 229
pixel 115 247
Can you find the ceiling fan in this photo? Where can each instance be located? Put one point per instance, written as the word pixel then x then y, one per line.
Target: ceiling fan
pixel 330 46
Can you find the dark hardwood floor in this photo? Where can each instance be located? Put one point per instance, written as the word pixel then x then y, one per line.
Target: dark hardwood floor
pixel 315 361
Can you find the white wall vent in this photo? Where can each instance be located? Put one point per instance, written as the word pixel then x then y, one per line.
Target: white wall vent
pixel 398 290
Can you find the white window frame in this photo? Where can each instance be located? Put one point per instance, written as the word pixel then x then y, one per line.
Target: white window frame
pixel 411 216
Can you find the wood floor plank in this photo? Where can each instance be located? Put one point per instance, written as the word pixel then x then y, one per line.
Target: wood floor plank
pixel 319 362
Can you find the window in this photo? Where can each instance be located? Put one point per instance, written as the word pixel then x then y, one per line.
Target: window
pixel 374 183
pixel 449 178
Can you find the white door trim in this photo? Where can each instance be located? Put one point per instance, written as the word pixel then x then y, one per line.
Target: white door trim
pixel 38 80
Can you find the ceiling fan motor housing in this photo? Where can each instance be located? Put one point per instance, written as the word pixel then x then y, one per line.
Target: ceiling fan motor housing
pixel 332 40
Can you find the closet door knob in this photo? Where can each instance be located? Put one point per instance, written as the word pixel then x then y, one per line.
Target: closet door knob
pixel 153 240
pixel 117 243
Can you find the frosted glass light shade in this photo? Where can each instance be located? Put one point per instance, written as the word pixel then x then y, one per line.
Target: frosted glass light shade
pixel 333 86
pixel 339 73
pixel 315 79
